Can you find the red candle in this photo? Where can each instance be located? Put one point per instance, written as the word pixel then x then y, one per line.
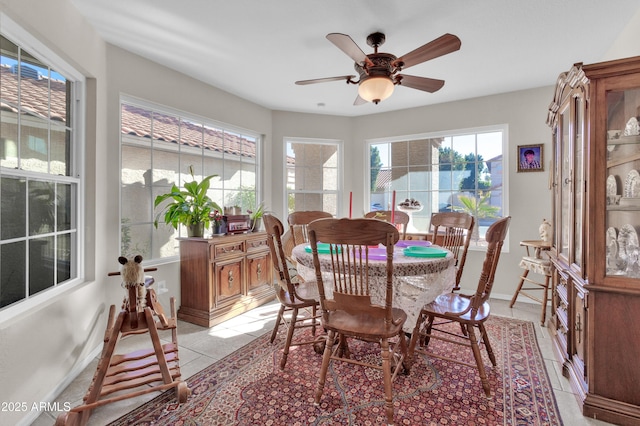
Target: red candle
pixel 393 208
pixel 350 204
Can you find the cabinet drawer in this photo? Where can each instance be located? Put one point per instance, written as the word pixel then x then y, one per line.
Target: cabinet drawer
pixel 223 250
pixel 257 244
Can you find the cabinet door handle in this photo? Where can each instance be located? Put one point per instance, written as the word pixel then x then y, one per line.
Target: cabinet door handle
pixel 230 278
pixel 579 328
pixel 567 181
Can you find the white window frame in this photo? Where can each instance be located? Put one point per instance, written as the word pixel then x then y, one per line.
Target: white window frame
pixel 504 128
pixel 315 141
pixel 163 109
pixel 30 43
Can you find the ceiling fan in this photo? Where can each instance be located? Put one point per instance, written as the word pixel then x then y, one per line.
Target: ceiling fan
pixel 379 72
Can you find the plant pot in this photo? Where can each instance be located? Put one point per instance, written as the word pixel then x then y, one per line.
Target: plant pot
pixel 256 224
pixel 195 230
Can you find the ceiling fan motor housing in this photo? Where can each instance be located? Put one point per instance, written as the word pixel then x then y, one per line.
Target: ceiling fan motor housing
pixel 382 66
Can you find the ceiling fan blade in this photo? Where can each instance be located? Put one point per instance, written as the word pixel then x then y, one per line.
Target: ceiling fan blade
pixel 348 46
pixel 421 83
pixel 441 46
pixel 359 101
pixel 324 80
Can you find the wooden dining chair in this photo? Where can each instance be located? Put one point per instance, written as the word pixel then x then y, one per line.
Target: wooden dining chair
pixel 453 230
pixel 347 307
pixel 301 300
pixel 298 222
pixel 399 218
pixel 470 311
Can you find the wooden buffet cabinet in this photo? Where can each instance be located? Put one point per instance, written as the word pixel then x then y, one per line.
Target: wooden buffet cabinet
pixel 222 277
pixel 596 202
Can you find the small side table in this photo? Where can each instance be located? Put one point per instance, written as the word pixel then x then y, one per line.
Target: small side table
pixel 539 264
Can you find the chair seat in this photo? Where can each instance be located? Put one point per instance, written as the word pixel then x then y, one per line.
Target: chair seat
pixel 539 266
pixel 449 303
pixel 305 290
pixel 352 325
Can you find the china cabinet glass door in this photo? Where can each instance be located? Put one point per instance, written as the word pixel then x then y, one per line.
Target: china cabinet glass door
pixel 622 220
pixel 564 185
pixel 578 182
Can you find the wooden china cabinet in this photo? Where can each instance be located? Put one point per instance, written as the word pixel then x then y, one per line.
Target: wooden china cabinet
pixel 596 202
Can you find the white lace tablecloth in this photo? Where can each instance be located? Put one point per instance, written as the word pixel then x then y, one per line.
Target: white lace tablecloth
pixel 416 280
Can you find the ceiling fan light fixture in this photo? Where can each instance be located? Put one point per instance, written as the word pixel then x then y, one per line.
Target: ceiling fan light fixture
pixel 375 89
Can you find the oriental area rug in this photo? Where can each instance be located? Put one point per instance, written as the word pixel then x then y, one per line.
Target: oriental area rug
pixel 248 388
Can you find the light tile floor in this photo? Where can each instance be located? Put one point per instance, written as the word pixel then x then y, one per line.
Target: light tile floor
pixel 200 347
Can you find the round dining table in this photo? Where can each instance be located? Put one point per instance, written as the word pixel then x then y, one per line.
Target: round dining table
pixel 416 280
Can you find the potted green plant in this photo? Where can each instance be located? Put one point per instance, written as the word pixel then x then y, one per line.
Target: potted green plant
pixel 190 207
pixel 255 216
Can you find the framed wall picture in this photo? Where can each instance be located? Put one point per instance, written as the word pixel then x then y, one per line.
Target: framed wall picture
pixel 530 158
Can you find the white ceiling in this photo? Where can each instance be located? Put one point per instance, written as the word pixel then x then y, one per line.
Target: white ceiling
pixel 258 49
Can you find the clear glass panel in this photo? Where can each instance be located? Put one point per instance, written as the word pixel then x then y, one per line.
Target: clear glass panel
pixel 214 166
pixel 232 144
pixel 61 96
pixel 308 201
pixel 42 213
pixel 13 211
pixel 135 239
pixel 213 145
pixel 445 152
pixel 166 128
pixel 565 184
pixel 623 183
pixel 9 58
pixel 248 175
pixel 330 204
pixel 13 272
pixel 191 161
pixel 135 178
pixel 60 151
pixel 377 162
pixel 419 152
pixel 65 194
pixel 419 178
pixel 63 258
pixel 249 147
pixel 163 241
pixel 399 153
pixel 34 144
pixel 165 166
pixel 579 184
pixel 9 139
pixel 136 121
pixel 400 178
pixel 42 261
pixel 312 177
